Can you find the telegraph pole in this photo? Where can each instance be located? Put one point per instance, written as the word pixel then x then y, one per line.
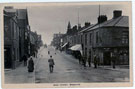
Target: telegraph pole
pixel 99 16
pixel 78 17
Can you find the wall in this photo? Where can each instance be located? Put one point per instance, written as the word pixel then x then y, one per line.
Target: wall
pixel 109 39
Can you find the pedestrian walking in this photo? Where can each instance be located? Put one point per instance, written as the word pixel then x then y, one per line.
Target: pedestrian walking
pixel 84 61
pixel 25 59
pixel 30 65
pixel 48 52
pixel 79 58
pixel 51 64
pixel 95 61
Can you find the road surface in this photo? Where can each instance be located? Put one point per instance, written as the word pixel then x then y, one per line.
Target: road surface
pixel 68 70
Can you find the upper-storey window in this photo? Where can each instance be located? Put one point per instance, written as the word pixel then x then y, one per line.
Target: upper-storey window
pixel 97 37
pixel 90 39
pixel 125 37
pixel 85 39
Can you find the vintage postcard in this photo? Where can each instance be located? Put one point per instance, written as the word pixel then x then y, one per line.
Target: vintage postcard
pixel 66 45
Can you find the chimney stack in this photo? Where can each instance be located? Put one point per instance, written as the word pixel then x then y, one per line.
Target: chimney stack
pixel 117 13
pixel 8 7
pixel 87 24
pixel 102 18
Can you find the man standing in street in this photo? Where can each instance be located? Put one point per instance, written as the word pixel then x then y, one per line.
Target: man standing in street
pixel 51 64
pixel 89 60
pixel 95 61
pixel 48 52
pixel 79 58
pixel 113 61
pixel 84 61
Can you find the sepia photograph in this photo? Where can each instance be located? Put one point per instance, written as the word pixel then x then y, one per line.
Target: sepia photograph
pixel 71 44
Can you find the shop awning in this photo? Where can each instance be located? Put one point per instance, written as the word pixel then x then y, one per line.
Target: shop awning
pixel 77 47
pixel 64 45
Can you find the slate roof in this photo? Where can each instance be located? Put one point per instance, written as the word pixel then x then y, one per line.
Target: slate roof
pixel 22 13
pixel 122 21
pixel 10 10
pixel 85 29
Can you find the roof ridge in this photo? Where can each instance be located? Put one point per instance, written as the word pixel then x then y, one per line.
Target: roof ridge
pixel 85 29
pixel 108 21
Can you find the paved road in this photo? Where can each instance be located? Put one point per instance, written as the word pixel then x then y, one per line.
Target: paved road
pixel 67 70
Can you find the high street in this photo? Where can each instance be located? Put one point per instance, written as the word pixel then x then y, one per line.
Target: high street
pixel 67 69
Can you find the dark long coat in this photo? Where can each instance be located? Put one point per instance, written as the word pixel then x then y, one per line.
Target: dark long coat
pixel 30 65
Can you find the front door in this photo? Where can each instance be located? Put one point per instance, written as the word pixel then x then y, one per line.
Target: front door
pixel 7 58
pixel 107 58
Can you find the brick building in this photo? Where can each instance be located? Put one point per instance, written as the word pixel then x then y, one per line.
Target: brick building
pixel 17 40
pixel 107 38
pixel 104 39
pixel 11 38
pixel 57 40
pixel 35 43
pixel 23 32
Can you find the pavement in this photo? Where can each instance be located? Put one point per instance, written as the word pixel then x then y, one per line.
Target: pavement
pixel 66 70
pixel 21 74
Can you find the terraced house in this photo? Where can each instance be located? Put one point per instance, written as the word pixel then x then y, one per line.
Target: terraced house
pixel 17 33
pixel 107 38
pixel 104 39
pixel 11 37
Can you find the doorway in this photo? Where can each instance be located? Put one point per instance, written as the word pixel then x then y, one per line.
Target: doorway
pixel 107 58
pixel 7 58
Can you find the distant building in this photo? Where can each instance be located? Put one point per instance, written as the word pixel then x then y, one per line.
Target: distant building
pixel 57 40
pixel 70 36
pixel 35 42
pixel 39 41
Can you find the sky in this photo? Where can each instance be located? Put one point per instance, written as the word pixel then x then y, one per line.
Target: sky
pixel 47 20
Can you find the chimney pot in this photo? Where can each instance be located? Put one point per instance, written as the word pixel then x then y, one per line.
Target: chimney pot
pixel 87 24
pixel 102 18
pixel 8 7
pixel 117 13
